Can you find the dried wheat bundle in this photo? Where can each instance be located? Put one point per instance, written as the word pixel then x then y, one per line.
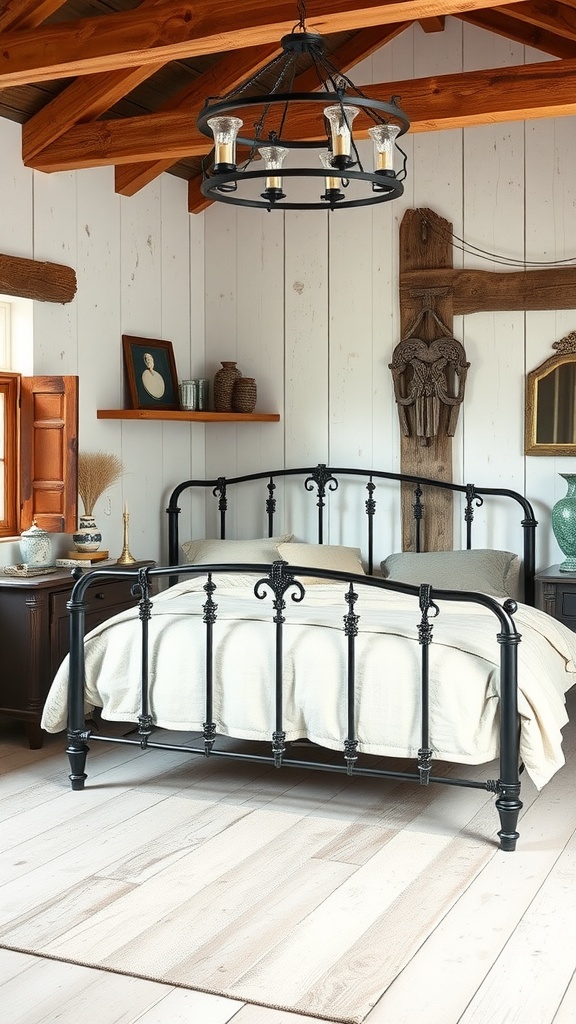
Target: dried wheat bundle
pixel 97 471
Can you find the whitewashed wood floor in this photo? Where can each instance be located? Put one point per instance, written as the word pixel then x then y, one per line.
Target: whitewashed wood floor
pixel 505 952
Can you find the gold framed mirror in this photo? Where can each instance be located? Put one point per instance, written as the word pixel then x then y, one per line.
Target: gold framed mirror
pixel 550 413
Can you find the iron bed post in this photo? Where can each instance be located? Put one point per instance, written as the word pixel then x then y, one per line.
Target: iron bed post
pixel 351 631
pixel 145 721
pixel 508 801
pixel 209 617
pixel 77 748
pixel 425 639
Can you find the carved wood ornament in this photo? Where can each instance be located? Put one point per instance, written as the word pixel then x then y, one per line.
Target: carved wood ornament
pixel 425 373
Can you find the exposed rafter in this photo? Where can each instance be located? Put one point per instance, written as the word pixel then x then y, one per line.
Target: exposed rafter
pixel 81 79
pixel 432 104
pixel 172 31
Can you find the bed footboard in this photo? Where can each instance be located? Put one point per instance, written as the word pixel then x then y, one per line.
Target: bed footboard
pixel 277 592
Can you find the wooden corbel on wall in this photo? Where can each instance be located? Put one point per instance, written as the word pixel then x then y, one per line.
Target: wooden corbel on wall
pixel 32 279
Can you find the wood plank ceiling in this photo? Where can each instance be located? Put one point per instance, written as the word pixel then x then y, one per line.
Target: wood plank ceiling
pixel 100 82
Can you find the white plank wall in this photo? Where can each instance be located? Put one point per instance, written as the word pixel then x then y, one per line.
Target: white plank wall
pixel 307 304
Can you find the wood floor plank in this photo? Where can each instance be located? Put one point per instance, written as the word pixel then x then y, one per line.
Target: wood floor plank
pixel 53 991
pixel 469 939
pixel 536 965
pixel 566 1013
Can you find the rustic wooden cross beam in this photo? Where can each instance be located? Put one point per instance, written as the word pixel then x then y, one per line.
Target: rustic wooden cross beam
pixel 427 277
pixel 31 279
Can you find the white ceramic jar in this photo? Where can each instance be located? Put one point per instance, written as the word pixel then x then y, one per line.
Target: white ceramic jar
pixel 36 546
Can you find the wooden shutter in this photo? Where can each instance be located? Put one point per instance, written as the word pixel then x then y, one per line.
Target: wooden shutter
pixel 49 453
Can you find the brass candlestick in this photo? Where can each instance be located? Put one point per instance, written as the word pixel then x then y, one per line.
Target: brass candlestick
pixel 125 558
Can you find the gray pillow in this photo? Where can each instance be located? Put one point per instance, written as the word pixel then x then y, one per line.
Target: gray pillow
pixel 484 570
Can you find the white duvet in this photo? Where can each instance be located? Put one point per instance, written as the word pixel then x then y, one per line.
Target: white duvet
pixel 464 672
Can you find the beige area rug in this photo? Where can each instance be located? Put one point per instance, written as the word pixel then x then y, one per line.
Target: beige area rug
pixel 292 889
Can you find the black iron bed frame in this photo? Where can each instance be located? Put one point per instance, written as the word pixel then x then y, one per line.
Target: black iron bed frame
pixel 279 581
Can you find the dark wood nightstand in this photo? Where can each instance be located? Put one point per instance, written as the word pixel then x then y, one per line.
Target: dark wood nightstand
pixel 34 636
pixel 556 594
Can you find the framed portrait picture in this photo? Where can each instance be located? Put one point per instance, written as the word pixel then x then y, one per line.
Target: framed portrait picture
pixel 150 373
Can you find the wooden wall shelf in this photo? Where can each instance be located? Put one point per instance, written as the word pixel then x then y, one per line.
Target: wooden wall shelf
pixel 184 414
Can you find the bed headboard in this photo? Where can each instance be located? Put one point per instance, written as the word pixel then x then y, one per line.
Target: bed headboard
pixel 322 481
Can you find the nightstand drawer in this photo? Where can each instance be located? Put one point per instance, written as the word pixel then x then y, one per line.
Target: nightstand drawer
pixel 101 600
pixel 568 604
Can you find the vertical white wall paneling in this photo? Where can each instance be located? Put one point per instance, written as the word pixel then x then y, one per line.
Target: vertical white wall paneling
pixel 16 182
pixel 178 438
pixel 193 513
pixel 260 349
pixel 550 235
pixel 99 347
pixel 141 315
pixel 494 220
pixel 221 242
pixel 56 346
pixel 307 352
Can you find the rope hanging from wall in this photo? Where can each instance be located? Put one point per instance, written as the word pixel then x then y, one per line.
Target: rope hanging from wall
pixel 494 257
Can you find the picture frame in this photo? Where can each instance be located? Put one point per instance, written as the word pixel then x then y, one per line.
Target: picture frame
pixel 151 378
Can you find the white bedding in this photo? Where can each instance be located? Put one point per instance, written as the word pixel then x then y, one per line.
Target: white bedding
pixel 464 672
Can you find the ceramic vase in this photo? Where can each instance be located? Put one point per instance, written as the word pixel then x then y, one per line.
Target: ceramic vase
pixel 564 523
pixel 244 394
pixel 224 381
pixel 87 536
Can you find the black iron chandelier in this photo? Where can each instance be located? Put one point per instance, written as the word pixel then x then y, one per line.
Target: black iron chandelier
pixel 268 121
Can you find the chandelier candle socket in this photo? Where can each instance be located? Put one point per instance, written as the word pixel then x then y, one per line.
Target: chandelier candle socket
pixel 277 120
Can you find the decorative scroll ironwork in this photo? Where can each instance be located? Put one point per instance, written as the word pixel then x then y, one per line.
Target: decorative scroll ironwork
pixel 471 498
pixel 220 493
pixel 279 579
pixel 322 477
pixel 270 505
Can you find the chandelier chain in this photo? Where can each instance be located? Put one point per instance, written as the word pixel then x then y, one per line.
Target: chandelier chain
pixel 494 257
pixel 302 15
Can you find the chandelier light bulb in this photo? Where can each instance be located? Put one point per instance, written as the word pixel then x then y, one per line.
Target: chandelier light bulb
pixel 273 157
pixel 384 138
pixel 332 191
pixel 225 131
pixel 340 118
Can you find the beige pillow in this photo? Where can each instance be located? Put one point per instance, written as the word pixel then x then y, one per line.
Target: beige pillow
pixel 206 552
pixel 481 569
pixel 322 556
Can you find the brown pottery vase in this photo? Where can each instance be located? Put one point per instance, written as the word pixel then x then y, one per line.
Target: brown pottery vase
pixel 244 394
pixel 224 381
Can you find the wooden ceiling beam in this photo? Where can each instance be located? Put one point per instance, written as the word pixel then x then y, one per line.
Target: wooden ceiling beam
pixel 432 104
pixel 21 14
pixel 187 28
pixel 84 99
pixel 528 35
pixel 432 24
pixel 547 15
pixel 225 75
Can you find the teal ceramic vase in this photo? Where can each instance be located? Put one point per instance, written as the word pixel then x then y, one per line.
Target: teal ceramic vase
pixel 564 523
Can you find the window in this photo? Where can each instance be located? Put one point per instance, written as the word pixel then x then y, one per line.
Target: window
pixel 38 434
